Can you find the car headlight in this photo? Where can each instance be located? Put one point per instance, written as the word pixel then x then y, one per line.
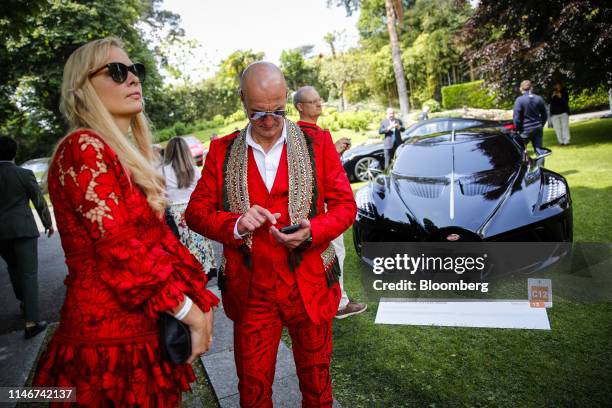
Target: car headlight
pixel 554 189
pixel 345 157
pixel 365 206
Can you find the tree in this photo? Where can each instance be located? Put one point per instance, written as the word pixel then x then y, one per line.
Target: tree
pixel 343 71
pixel 542 40
pixel 394 10
pixel 235 64
pixel 34 53
pixel 330 39
pixel 394 13
pixel 431 57
pixel 294 68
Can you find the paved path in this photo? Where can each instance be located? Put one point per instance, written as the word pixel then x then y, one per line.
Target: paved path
pixel 51 289
pixel 587 116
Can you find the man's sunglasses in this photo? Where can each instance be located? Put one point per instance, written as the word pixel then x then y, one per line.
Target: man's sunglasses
pixel 119 71
pixel 277 114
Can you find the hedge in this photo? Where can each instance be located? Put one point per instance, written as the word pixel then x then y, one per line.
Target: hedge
pixel 589 100
pixel 470 94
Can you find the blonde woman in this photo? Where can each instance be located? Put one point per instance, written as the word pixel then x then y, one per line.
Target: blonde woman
pixel 124 265
pixel 181 178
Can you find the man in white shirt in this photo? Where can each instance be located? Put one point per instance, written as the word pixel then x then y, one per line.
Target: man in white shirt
pixel 256 181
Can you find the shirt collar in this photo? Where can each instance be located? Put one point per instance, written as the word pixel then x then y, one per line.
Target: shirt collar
pixel 305 123
pixel 251 142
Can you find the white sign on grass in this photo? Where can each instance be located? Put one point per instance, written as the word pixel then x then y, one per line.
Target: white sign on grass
pixel 511 314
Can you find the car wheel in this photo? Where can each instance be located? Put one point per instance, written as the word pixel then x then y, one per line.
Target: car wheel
pixel 361 168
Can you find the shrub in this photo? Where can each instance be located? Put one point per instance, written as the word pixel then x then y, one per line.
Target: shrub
pixel 180 129
pixel 329 122
pixel 470 94
pixel 235 117
pixel 217 121
pixel 588 100
pixel 355 120
pixel 434 106
pixel 164 134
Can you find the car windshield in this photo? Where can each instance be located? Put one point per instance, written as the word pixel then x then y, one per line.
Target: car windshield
pixel 428 128
pixel 470 153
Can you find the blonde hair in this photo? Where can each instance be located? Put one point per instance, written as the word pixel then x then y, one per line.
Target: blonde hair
pixel 177 154
pixel 526 85
pixel 83 108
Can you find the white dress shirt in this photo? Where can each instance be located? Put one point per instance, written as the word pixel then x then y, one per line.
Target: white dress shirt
pixel 267 163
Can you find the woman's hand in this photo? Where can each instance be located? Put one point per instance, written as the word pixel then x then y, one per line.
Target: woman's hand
pixel 201 329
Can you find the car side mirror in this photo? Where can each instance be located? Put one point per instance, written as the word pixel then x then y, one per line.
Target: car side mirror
pixel 374 170
pixel 542 152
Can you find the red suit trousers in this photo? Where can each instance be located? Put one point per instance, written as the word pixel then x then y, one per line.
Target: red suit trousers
pixel 256 340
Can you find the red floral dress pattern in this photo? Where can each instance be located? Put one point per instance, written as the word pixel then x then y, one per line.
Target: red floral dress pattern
pixel 124 267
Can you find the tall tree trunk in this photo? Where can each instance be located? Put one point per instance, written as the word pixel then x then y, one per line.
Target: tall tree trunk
pixel 398 68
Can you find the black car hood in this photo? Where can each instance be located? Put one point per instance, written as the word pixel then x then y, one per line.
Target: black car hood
pixel 460 184
pixel 463 201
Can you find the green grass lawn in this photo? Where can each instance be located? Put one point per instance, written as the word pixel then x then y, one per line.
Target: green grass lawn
pixel 418 366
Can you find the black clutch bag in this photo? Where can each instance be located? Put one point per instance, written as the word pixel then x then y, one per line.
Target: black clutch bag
pixel 175 339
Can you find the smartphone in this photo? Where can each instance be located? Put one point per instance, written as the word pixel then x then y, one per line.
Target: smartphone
pixel 290 229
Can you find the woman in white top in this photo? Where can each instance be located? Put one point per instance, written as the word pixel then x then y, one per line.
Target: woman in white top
pixel 181 178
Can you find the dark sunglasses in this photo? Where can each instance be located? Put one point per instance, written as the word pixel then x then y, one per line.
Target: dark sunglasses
pixel 118 71
pixel 277 114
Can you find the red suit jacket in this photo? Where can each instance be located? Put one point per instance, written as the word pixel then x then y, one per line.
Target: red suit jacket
pixel 205 214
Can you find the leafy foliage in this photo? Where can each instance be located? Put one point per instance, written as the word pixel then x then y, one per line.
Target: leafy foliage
pixel 543 40
pixel 587 100
pixel 35 49
pixel 471 94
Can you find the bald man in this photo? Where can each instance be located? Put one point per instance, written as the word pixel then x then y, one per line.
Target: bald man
pixel 308 103
pixel 256 182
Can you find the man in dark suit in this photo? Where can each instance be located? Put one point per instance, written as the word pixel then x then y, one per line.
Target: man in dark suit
pixel 391 127
pixel 18 232
pixel 530 116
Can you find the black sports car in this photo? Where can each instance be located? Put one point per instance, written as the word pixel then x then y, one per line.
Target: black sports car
pixel 357 160
pixel 478 184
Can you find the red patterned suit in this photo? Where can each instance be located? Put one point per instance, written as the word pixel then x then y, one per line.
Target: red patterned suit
pixel 266 296
pixel 124 268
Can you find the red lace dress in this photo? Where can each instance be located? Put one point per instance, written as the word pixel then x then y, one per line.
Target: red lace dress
pixel 124 268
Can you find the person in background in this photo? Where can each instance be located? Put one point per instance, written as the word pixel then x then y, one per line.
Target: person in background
pixel 19 233
pixel 308 103
pixel 181 177
pixel 125 267
pixel 392 128
pixel 559 113
pixel 424 115
pixel 530 116
pixel 256 182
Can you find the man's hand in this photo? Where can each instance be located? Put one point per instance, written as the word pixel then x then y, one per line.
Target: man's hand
pixel 294 240
pixel 342 144
pixel 49 231
pixel 255 218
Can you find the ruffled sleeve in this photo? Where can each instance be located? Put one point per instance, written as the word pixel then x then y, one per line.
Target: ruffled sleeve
pixel 141 261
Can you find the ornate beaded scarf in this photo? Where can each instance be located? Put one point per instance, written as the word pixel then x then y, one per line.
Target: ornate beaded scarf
pixel 303 190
